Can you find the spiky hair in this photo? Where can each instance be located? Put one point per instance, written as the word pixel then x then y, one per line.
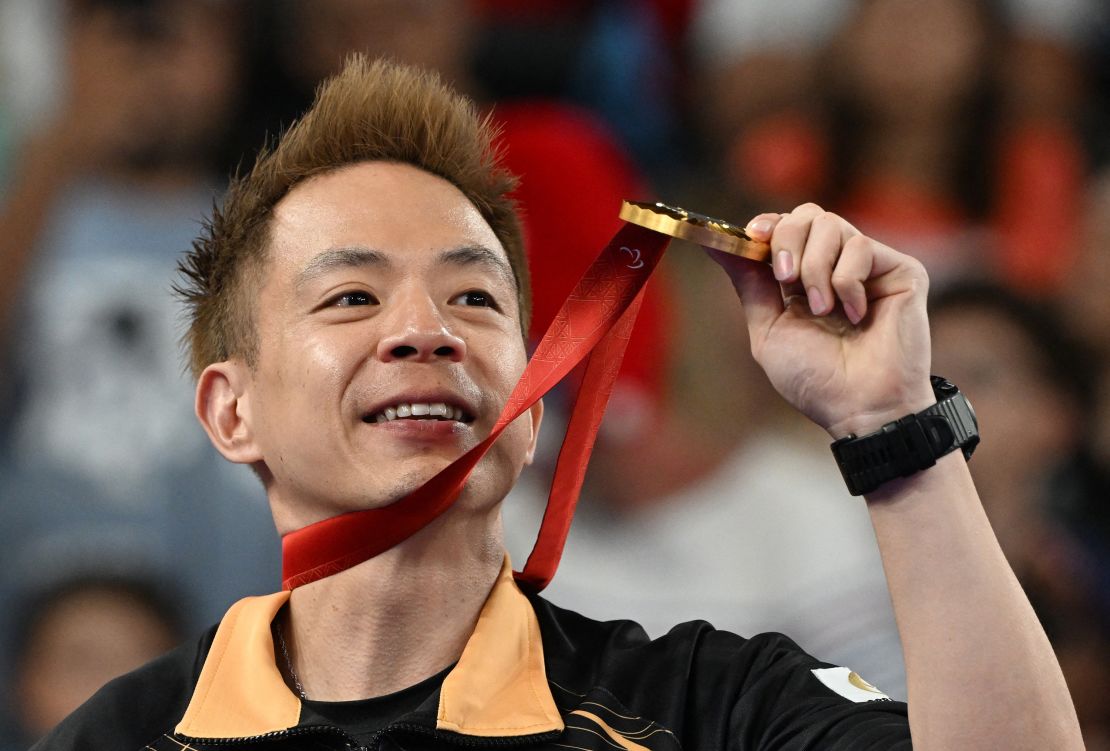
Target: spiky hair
pixel 371 111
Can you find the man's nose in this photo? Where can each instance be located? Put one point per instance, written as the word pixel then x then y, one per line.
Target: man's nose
pixel 420 334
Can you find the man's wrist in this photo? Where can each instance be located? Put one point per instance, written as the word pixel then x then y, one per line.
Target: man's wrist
pixel 910 443
pixel 865 423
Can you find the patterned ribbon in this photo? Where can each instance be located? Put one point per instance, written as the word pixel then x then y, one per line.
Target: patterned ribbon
pixel 593 324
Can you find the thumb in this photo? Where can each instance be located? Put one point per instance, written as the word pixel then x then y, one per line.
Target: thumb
pixel 759 291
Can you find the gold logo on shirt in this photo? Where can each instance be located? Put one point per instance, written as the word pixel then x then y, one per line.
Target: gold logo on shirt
pixel 855 679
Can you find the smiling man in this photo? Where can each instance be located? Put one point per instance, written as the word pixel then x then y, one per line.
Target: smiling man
pixel 386 255
pixel 359 304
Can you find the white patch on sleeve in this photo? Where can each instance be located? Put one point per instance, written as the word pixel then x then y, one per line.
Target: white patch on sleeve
pixel 849 685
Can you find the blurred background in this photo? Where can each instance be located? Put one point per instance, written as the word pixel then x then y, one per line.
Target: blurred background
pixel 972 134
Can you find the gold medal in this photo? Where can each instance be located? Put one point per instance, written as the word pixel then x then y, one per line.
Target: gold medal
pixel 699 228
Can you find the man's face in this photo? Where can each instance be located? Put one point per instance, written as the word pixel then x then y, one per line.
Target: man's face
pixel 389 341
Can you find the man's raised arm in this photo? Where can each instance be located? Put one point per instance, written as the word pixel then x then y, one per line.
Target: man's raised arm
pixel 839 324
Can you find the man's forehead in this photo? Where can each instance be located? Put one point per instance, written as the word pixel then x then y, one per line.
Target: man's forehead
pixel 369 188
pixel 384 206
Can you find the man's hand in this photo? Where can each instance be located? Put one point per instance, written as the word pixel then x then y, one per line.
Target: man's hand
pixel 837 322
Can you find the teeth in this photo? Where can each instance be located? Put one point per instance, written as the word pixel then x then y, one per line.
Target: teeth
pixel 433 410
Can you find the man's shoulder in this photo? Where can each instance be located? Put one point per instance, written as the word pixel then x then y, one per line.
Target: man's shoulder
pixel 702 685
pixel 134 709
pixel 573 637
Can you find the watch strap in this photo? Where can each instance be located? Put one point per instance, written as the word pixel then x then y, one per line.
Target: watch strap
pixel 906 446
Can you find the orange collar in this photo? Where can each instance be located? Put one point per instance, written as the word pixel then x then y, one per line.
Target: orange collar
pixel 497 688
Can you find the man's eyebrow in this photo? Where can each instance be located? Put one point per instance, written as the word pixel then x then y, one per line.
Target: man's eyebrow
pixel 338 258
pixel 480 255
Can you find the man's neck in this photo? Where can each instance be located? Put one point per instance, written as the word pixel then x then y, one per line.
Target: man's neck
pixel 396 619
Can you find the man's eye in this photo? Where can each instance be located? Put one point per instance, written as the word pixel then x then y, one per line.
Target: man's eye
pixel 478 298
pixel 348 299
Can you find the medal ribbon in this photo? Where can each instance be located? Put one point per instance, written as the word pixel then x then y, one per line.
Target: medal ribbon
pixel 594 324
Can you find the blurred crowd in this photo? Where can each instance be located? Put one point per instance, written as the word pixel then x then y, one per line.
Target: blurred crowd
pixel 969 133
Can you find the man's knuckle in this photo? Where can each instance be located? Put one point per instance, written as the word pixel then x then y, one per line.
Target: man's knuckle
pixel 842 278
pixel 919 277
pixel 859 243
pixel 808 208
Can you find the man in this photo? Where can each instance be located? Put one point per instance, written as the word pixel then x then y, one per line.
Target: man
pixel 367 273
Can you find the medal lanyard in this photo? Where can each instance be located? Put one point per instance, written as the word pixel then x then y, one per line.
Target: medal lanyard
pixel 594 324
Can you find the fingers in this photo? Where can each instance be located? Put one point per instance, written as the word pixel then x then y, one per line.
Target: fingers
pixel 762 227
pixel 787 234
pixel 820 255
pixel 855 267
pixel 827 236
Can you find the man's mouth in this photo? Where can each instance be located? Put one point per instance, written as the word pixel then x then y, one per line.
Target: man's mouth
pixel 420 411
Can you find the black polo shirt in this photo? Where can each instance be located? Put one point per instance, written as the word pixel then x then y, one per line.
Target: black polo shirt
pixel 532 675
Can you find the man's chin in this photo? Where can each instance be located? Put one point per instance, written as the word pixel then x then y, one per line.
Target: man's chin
pixel 473 492
pixel 400 489
pixel 406 486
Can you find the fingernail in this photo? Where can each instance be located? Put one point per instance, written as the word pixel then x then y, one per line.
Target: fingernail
pixel 816 302
pixel 784 265
pixel 853 316
pixel 760 227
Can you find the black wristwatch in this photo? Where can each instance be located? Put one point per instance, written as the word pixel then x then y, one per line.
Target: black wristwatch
pixel 909 445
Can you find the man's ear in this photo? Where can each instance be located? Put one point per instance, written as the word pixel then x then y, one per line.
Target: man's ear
pixel 223 408
pixel 536 413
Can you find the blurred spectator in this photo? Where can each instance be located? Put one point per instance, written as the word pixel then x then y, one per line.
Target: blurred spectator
pixel 931 153
pixel 101 200
pixel 614 58
pixel 80 633
pixel 924 123
pixel 1085 300
pixel 911 159
pixel 757 59
pixel 617 58
pixel 432 34
pixel 1030 389
pixel 756 99
pixel 1085 304
pixel 29 42
pixel 1043 67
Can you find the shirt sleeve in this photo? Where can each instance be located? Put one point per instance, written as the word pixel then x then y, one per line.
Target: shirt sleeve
pixel 771 695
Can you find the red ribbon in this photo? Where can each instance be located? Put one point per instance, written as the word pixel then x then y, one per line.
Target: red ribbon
pixel 594 324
